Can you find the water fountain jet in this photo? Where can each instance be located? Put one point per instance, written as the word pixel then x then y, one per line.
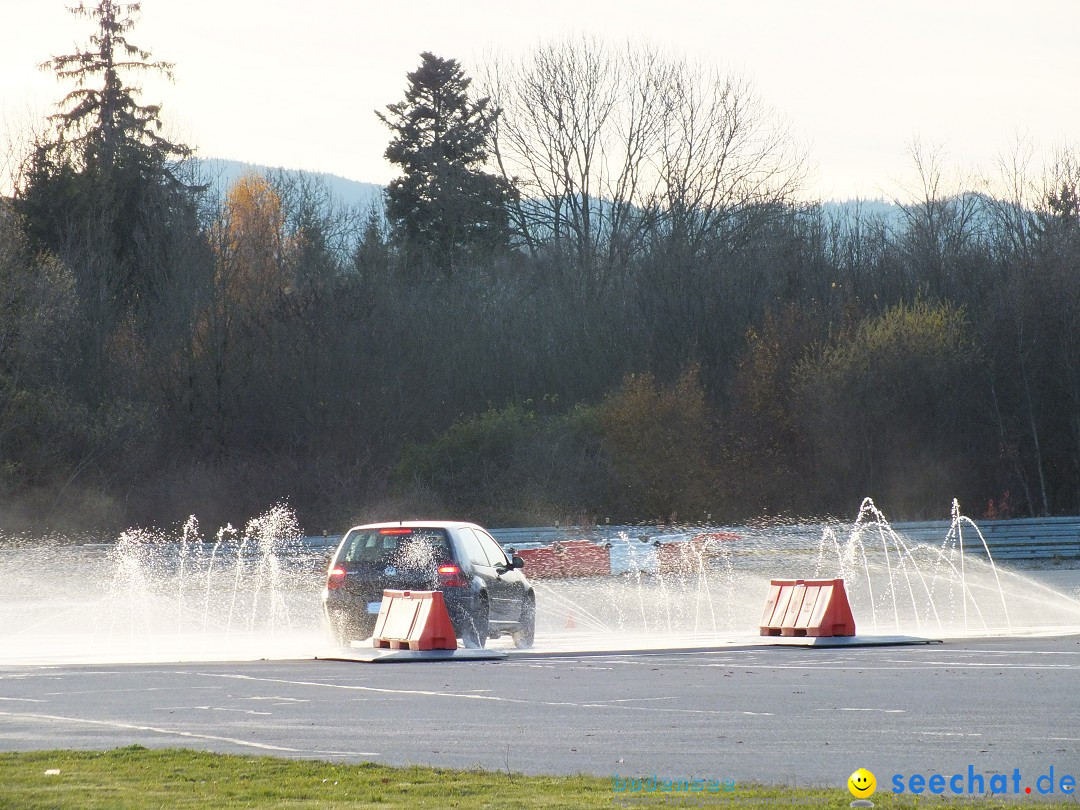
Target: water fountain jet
pixel 254 593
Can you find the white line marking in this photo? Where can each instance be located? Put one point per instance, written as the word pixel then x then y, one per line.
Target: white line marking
pixel 354 687
pixel 992 665
pixel 468 696
pixel 984 653
pixel 868 667
pixel 24 700
pixel 212 709
pixel 118 691
pixel 167 731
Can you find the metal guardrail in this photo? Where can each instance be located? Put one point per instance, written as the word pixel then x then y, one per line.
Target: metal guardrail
pixel 542 535
pixel 1016 539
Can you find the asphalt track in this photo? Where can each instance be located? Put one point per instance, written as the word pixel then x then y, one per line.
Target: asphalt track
pixel 788 715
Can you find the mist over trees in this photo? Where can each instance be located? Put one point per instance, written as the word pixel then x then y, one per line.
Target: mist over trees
pixel 594 292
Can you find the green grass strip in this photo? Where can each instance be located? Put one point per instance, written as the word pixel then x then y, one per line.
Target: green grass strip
pixel 138 777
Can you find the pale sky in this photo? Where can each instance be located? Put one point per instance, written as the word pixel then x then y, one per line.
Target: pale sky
pixel 295 84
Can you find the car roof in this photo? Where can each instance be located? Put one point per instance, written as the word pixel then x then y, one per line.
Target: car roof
pixel 417 524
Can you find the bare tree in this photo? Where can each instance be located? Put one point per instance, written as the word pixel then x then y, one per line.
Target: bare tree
pixel 609 144
pixel 945 224
pixel 1010 202
pixel 558 126
pixel 722 151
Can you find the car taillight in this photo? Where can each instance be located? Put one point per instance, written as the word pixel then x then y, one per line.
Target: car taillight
pixel 450 576
pixel 336 577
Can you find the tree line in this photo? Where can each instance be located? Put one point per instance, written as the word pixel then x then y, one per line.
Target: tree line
pixel 593 292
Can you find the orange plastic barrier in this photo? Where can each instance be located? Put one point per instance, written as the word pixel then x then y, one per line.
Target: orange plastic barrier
pixel 414 620
pixel 816 608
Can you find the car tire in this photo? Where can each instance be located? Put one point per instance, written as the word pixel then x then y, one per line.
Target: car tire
pixel 365 628
pixel 526 632
pixel 347 628
pixel 475 626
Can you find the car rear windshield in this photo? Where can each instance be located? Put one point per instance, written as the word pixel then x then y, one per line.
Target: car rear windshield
pixel 416 547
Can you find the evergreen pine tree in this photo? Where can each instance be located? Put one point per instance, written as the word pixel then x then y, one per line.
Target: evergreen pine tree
pixel 444 208
pixel 103 117
pixel 371 259
pixel 102 190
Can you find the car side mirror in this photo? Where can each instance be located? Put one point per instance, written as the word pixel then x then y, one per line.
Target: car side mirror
pixel 517 562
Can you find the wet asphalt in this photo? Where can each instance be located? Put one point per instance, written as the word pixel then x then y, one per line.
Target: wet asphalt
pixel 776 715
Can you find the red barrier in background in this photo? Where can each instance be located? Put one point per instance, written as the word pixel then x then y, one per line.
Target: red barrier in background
pixel 690 555
pixel 672 558
pixel 814 608
pixel 567 558
pixel 414 620
pixel 540 563
pixel 712 539
pixel 580 558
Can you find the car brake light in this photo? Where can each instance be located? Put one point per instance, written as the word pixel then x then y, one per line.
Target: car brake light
pixel 395 531
pixel 336 577
pixel 451 577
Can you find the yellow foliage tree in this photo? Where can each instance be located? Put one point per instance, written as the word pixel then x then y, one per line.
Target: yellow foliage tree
pixel 894 409
pixel 251 271
pixel 252 264
pixel 659 442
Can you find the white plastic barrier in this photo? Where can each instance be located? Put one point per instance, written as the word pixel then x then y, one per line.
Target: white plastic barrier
pixel 632 555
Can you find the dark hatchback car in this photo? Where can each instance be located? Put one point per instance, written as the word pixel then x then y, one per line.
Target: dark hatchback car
pixel 486 593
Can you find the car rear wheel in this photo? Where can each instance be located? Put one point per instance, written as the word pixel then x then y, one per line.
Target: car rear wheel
pixel 526 632
pixel 474 625
pixel 348 628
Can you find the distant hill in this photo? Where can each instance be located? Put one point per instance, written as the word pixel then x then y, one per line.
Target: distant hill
pixel 864 210
pixel 222 173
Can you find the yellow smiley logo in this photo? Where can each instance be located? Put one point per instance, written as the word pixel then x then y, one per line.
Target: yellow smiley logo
pixel 862 784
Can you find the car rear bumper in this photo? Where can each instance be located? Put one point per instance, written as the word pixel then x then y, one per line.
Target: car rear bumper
pixel 358 605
